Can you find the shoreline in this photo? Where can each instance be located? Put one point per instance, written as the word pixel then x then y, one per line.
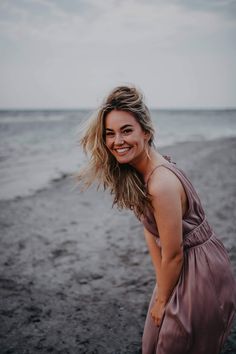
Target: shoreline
pixel 65 175
pixel 76 276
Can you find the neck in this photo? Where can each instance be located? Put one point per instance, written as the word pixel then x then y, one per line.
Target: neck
pixel 147 162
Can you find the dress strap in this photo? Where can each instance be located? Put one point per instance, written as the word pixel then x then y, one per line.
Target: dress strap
pixel 190 191
pixel 168 161
pixel 162 164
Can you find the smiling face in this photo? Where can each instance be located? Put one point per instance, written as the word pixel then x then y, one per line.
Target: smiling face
pixel 124 137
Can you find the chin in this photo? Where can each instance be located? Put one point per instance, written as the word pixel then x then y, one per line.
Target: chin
pixel 123 161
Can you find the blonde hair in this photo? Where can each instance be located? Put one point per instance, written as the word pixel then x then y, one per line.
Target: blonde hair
pixel 123 181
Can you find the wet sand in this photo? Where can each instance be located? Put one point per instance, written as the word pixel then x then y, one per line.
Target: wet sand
pixel 75 274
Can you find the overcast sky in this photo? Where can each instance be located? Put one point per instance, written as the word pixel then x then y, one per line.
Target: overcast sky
pixel 70 53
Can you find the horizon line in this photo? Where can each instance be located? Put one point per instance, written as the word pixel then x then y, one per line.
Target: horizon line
pixel 210 108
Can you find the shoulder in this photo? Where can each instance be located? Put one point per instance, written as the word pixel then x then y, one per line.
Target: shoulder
pixel 164 183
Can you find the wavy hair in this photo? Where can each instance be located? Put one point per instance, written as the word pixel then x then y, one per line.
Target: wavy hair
pixel 123 181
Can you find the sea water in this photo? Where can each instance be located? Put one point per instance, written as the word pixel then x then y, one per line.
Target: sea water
pixel 38 146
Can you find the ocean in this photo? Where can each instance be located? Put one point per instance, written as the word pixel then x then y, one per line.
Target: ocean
pixel 40 146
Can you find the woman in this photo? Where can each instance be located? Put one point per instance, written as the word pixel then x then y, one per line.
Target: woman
pixel 193 304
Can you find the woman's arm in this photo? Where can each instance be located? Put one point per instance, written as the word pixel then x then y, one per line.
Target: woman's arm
pixel 155 252
pixel 165 190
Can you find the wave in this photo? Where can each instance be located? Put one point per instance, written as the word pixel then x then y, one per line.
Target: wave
pixel 42 148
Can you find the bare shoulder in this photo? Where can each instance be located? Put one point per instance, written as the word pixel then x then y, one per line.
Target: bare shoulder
pixel 164 182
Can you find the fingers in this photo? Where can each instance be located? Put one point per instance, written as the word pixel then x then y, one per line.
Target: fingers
pixel 155 319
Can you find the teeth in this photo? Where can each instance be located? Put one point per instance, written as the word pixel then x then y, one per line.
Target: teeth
pixel 122 150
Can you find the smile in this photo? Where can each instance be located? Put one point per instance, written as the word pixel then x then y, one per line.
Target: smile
pixel 122 151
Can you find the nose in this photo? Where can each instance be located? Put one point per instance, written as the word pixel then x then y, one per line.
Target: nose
pixel 118 139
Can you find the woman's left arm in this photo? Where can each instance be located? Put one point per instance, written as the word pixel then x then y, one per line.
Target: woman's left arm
pixel 165 191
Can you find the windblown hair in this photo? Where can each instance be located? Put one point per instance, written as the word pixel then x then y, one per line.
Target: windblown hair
pixel 123 181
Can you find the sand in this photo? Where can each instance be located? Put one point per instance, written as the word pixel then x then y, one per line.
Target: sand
pixel 75 274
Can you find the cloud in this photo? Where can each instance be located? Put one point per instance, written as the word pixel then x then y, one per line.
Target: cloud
pixel 224 8
pixel 110 23
pixel 64 49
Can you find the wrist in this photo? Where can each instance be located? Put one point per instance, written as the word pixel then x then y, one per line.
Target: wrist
pixel 161 300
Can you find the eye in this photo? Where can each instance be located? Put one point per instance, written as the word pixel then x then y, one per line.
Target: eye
pixel 108 133
pixel 127 131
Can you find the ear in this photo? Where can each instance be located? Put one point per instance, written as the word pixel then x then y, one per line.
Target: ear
pixel 147 136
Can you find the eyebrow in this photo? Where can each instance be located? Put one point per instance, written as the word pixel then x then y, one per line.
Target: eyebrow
pixel 123 127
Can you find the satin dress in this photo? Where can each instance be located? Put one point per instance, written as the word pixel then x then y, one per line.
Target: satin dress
pixel 199 313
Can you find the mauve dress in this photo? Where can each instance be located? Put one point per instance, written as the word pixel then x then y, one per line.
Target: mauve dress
pixel 199 313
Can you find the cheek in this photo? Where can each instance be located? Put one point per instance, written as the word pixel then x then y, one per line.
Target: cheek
pixel 108 143
pixel 139 140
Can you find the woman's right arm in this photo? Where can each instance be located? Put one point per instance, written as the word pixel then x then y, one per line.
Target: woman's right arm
pixel 154 251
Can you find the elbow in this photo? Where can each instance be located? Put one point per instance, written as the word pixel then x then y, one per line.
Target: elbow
pixel 178 259
pixel 174 258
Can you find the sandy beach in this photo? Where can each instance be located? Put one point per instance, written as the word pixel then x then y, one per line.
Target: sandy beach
pixel 76 276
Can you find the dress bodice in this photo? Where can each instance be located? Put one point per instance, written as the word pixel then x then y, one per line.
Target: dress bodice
pixel 194 216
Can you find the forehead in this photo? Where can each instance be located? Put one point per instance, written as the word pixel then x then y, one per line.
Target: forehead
pixel 116 119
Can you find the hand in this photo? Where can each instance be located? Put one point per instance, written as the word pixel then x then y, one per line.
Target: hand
pixel 157 312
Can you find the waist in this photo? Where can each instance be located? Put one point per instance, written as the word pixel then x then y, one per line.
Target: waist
pixel 199 235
